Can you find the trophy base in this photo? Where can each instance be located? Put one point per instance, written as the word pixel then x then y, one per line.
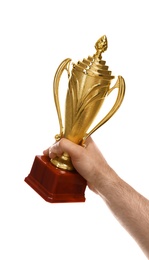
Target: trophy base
pixel 55 185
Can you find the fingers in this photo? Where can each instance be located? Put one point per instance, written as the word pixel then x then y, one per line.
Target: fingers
pixel 46 152
pixel 53 151
pixel 56 149
pixel 64 145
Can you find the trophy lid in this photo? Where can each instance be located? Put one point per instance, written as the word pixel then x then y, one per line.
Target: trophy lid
pixel 94 65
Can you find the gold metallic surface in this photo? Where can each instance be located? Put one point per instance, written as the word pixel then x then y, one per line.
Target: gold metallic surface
pixel 89 85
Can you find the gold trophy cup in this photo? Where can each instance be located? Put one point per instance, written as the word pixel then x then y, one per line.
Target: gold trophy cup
pixel 89 83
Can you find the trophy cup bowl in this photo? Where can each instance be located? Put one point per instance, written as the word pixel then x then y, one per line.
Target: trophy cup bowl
pixel 89 84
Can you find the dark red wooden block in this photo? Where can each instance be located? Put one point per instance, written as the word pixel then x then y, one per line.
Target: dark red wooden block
pixel 55 185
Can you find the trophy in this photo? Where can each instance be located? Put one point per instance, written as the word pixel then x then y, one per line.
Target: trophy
pixel 89 84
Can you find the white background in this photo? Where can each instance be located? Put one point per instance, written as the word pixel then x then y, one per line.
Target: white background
pixel 35 36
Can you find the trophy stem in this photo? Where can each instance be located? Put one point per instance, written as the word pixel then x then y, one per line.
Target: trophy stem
pixel 63 162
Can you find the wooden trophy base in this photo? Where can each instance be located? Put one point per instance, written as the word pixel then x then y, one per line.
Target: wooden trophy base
pixel 55 185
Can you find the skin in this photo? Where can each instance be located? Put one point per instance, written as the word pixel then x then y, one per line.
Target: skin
pixel 129 207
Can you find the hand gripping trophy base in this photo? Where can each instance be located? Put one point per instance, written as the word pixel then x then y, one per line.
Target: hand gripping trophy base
pixel 55 185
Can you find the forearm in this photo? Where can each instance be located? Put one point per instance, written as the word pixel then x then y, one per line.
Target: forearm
pixel 129 207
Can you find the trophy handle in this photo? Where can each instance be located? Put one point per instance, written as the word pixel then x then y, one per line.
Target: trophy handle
pixel 120 84
pixel 64 65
